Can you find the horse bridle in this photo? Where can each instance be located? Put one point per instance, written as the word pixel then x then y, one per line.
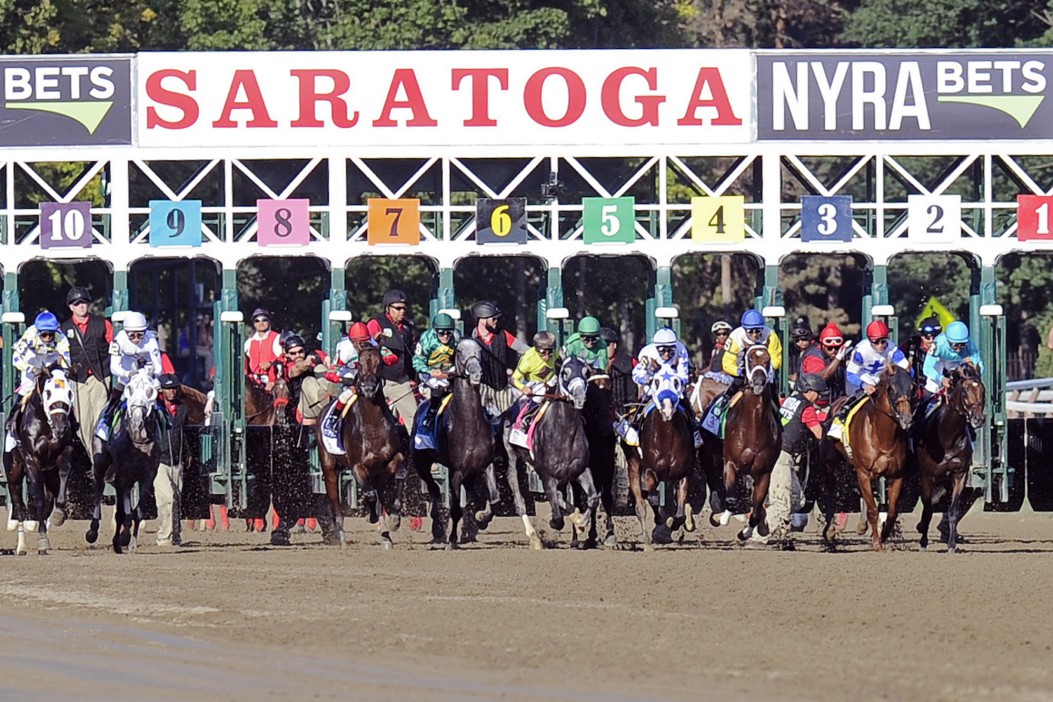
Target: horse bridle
pixel 750 371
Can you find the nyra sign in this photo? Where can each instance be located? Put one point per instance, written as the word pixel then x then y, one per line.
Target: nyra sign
pixel 920 95
pixel 445 98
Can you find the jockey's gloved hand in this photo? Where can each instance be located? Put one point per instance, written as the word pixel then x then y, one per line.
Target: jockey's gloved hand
pixel 843 351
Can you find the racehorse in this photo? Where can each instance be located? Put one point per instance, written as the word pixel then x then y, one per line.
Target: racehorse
pixel 667 453
pixel 465 441
pixel 599 416
pixel 560 452
pixel 878 442
pixel 752 443
pixel 263 406
pixel 944 446
pixel 45 444
pixel 131 456
pixel 374 451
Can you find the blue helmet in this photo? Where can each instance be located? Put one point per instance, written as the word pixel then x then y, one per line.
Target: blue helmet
pixel 957 333
pixel 46 322
pixel 752 319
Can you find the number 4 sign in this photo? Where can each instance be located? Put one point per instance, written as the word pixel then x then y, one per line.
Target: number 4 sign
pixel 608 220
pixel 65 224
pixel 718 219
pixel 1032 217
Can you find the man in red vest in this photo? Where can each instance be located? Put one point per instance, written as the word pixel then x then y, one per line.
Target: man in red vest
pixel 89 339
pixel 262 349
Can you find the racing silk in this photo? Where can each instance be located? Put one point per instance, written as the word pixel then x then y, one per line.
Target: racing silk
pixel 260 350
pixel 941 357
pixel 813 360
pixel 29 353
pixel 431 354
pixel 595 357
pixel 678 365
pixel 798 416
pixel 867 364
pixel 125 356
pixel 532 368
pixel 345 361
pixel 737 344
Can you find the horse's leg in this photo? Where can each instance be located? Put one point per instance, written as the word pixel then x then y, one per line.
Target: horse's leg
pixel 953 511
pixel 119 509
pixel 98 471
pixel 520 503
pixel 592 505
pixel 684 517
pixel 422 463
pixel 332 533
pixel 16 505
pixel 393 518
pixel 484 516
pixel 38 495
pixel 926 509
pixel 894 488
pixel 455 508
pixel 758 518
pixel 555 500
pixel 867 491
pixel 636 488
pixel 58 515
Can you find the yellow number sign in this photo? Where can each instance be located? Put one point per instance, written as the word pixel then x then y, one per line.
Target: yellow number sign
pixel 718 219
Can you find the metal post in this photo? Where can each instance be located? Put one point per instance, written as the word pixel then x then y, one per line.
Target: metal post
pixel 331 331
pixel 553 298
pixel 120 290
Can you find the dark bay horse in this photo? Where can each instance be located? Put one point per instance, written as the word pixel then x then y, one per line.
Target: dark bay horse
pixel 667 453
pixel 264 407
pixel 752 442
pixel 465 441
pixel 944 446
pixel 560 454
pixel 599 416
pixel 878 441
pixel 45 444
pixel 264 410
pixel 374 451
pixel 130 457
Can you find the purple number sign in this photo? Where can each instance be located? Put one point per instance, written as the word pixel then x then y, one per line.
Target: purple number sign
pixel 65 225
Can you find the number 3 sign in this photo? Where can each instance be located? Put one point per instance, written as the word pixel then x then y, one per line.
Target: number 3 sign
pixel 65 224
pixel 283 222
pixel 826 218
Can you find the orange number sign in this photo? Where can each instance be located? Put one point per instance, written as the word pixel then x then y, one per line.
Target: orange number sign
pixel 394 221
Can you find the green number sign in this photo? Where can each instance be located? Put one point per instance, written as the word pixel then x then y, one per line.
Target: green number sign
pixel 609 220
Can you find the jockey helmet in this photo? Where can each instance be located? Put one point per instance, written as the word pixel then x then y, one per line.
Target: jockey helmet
pixel 358 332
pixel 752 319
pixel 484 309
pixel 77 294
pixel 664 337
pixel 721 325
pixel 135 322
pixel 292 341
pixel 442 321
pixel 610 336
pixel 545 341
pixel 815 382
pixel 46 322
pixel 831 335
pixel 169 381
pixel 801 331
pixel 589 325
pixel 261 312
pixel 393 297
pixel 957 333
pixel 930 325
pixel 877 330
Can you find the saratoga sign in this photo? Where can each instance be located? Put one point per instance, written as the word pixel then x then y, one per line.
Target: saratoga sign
pixel 445 98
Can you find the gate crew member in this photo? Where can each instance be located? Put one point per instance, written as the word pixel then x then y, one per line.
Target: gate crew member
pixel 720 330
pixel 620 368
pixel 133 347
pixel 585 344
pixel 308 392
pixel 827 359
pixel 29 355
pixel 262 349
pixel 168 485
pixel 803 339
pixel 89 338
pixel 501 353
pixel 394 334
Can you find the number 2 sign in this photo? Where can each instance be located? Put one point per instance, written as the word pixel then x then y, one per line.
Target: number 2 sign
pixel 1032 217
pixel 283 222
pixel 934 217
pixel 393 221
pixel 175 223
pixel 65 225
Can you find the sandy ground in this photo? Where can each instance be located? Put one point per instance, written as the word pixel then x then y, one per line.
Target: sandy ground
pixel 229 617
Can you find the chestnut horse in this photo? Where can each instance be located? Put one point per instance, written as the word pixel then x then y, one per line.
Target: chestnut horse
pixel 944 446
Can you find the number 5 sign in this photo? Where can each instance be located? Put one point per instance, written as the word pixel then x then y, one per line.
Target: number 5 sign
pixel 283 222
pixel 65 224
pixel 607 220
pixel 393 221
pixel 826 218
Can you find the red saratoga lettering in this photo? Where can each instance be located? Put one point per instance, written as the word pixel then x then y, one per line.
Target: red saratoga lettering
pixel 609 97
pixel 406 79
pixel 479 78
pixel 310 97
pixel 180 101
pixel 725 115
pixel 575 97
pixel 253 101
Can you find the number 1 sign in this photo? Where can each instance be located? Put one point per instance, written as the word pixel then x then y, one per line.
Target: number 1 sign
pixel 175 223
pixel 1032 217
pixel 65 225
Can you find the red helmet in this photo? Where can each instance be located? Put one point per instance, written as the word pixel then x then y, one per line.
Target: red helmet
pixel 358 332
pixel 877 330
pixel 831 335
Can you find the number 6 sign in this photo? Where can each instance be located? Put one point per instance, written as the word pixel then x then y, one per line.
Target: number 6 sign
pixel 65 225
pixel 608 220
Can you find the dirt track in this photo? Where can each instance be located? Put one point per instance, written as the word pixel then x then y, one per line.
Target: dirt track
pixel 228 617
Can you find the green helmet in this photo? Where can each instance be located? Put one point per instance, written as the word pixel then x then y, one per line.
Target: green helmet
pixel 442 321
pixel 589 325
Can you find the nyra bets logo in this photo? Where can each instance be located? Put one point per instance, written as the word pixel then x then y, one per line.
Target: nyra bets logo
pixel 65 101
pixel 937 95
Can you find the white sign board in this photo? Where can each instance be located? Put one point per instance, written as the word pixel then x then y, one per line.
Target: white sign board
pixel 935 218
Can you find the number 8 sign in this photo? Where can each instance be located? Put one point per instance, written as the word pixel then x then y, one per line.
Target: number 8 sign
pixel 283 222
pixel 65 225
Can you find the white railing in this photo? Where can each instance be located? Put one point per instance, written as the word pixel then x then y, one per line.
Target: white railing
pixel 1029 398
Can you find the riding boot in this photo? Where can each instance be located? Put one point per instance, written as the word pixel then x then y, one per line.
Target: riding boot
pixel 102 430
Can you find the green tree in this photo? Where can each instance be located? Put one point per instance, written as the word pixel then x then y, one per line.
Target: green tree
pixel 944 23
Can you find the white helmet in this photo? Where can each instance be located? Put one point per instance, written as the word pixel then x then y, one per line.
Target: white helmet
pixel 664 337
pixel 134 322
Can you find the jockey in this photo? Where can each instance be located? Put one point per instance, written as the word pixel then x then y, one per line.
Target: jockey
pixel 869 360
pixel 720 330
pixel 919 344
pixel 664 351
pixel 752 331
pixel 433 360
pixel 801 337
pixel 536 371
pixel 262 349
pixel 585 344
pixel 31 351
pixel 345 370
pixel 827 359
pixel 950 350
pixel 134 347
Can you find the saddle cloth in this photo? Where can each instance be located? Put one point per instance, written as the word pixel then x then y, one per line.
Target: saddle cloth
pixel 424 435
pixel 525 439
pixel 715 419
pixel 839 428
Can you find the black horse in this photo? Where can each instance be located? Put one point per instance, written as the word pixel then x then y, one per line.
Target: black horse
pixel 560 452
pixel 465 442
pixel 599 417
pixel 44 433
pixel 130 457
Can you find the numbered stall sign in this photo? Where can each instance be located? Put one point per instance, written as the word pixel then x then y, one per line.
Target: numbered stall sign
pixel 394 221
pixel 1033 217
pixel 608 220
pixel 175 223
pixel 501 221
pixel 718 219
pixel 934 217
pixel 283 222
pixel 65 225
pixel 826 218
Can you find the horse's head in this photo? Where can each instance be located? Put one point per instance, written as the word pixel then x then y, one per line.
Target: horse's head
pixel 369 365
pixel 281 394
pixel 968 395
pixel 468 360
pixel 574 380
pixel 57 395
pixel 141 397
pixel 757 367
pixel 899 391
pixel 666 389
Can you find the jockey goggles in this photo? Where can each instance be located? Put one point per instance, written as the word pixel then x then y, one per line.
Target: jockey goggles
pixel 666 349
pixel 755 331
pixel 590 338
pixel 833 341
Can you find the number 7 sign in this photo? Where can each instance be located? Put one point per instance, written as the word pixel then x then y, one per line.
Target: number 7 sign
pixel 393 221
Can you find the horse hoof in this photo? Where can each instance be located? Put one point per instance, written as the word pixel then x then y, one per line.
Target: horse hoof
pixel 611 541
pixel 661 535
pixel 126 538
pixel 452 546
pixel 725 517
pixel 557 523
pixel 537 544
pixel 12 525
pixel 483 519
pixel 30 524
pixel 862 528
pixel 689 519
pixel 58 517
pixel 91 536
pixel 714 520
pixel 386 544
pixel 394 521
pixel 279 538
pixel 23 551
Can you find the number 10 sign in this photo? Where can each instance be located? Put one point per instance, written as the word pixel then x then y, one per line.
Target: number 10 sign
pixel 65 225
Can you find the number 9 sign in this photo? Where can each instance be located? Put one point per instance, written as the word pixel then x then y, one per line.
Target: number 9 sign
pixel 500 221
pixel 175 223
pixel 65 225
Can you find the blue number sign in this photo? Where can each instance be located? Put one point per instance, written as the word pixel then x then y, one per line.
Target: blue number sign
pixel 826 218
pixel 175 223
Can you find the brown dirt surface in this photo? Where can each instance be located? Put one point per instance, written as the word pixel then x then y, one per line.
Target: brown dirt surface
pixel 229 617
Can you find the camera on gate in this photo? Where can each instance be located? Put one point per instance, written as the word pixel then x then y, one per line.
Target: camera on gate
pixel 552 188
